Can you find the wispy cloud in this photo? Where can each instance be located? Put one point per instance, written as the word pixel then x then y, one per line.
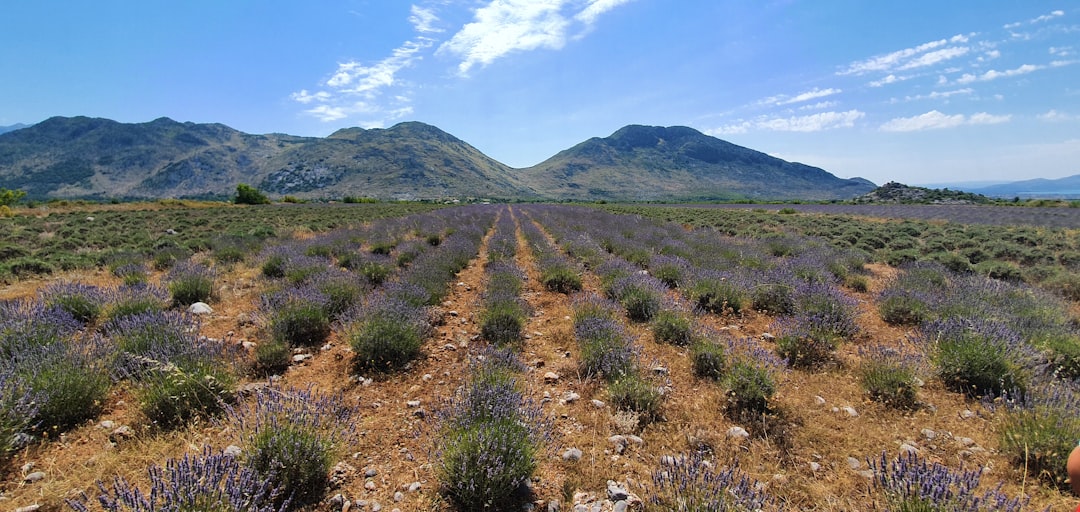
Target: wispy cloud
pixel 783 99
pixel 355 88
pixel 994 74
pixel 1038 19
pixel 934 120
pixel 502 27
pixel 909 58
pixel 1054 116
pixel 809 123
pixel 424 19
pixel 591 12
pixel 941 95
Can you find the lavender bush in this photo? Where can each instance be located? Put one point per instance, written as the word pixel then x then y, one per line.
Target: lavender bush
pixel 297 316
pixel 690 483
pixel 209 482
pixel 84 302
pixel 190 283
pixel 909 483
pixel 387 333
pixel 290 438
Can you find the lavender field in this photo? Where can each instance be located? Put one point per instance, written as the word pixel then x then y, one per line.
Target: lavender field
pixel 525 357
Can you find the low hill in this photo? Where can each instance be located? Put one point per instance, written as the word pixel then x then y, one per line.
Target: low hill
pixel 652 163
pixel 11 128
pixel 893 192
pixel 100 158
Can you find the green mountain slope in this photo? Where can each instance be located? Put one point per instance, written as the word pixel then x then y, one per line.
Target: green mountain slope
pixel 645 163
pixel 88 157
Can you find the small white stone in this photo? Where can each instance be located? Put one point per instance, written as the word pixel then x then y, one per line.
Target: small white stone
pixel 370 485
pixel 599 404
pixel 415 486
pixel 572 454
pixel 967 414
pixel 819 400
pixel 413 403
pixel 571 397
pixel 232 451
pixel 850 411
pixel 36 476
pixel 814 466
pixel 928 434
pixel 299 358
pixel 854 463
pixel 738 433
pixel 551 377
pixel 200 308
pixel 906 448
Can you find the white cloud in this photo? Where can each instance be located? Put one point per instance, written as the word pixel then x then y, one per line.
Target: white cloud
pixel 909 58
pixel 809 123
pixel 783 99
pixel 994 74
pixel 1061 51
pixel 821 105
pixel 502 27
pixel 889 79
pixel 934 57
pixel 305 97
pixel 984 118
pixel 595 8
pixel 1055 116
pixel 327 113
pixel 1037 19
pixel 941 95
pixel 934 120
pixel 424 20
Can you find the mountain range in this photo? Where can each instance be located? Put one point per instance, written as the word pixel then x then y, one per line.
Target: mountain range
pixel 101 158
pixel 1061 188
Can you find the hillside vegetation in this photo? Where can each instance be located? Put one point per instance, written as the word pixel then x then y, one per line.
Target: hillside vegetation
pixel 82 157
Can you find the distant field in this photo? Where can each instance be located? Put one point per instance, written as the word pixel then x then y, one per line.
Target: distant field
pixel 964 214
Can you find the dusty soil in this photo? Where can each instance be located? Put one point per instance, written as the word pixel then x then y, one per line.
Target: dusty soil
pixel 804 464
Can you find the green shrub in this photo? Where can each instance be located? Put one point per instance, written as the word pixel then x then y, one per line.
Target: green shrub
pixel 375 272
pixel 70 383
pixel 171 397
pixel 191 283
pixel 631 392
pixel 300 323
pixel 857 283
pixel 670 326
pixel 806 349
pixel 274 266
pixel 1040 438
pixel 484 465
pixel 975 358
pixel 750 388
pixel 246 194
pixel 561 279
pixel 708 359
pixel 903 308
pixel 294 457
pixel 716 295
pixel 1062 353
pixel 272 357
pixel 888 380
pixel 502 321
pixel 953 261
pixel 387 336
pixel 1002 270
pixel 773 298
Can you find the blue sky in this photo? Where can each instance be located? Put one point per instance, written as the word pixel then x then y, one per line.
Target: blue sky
pixel 916 91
